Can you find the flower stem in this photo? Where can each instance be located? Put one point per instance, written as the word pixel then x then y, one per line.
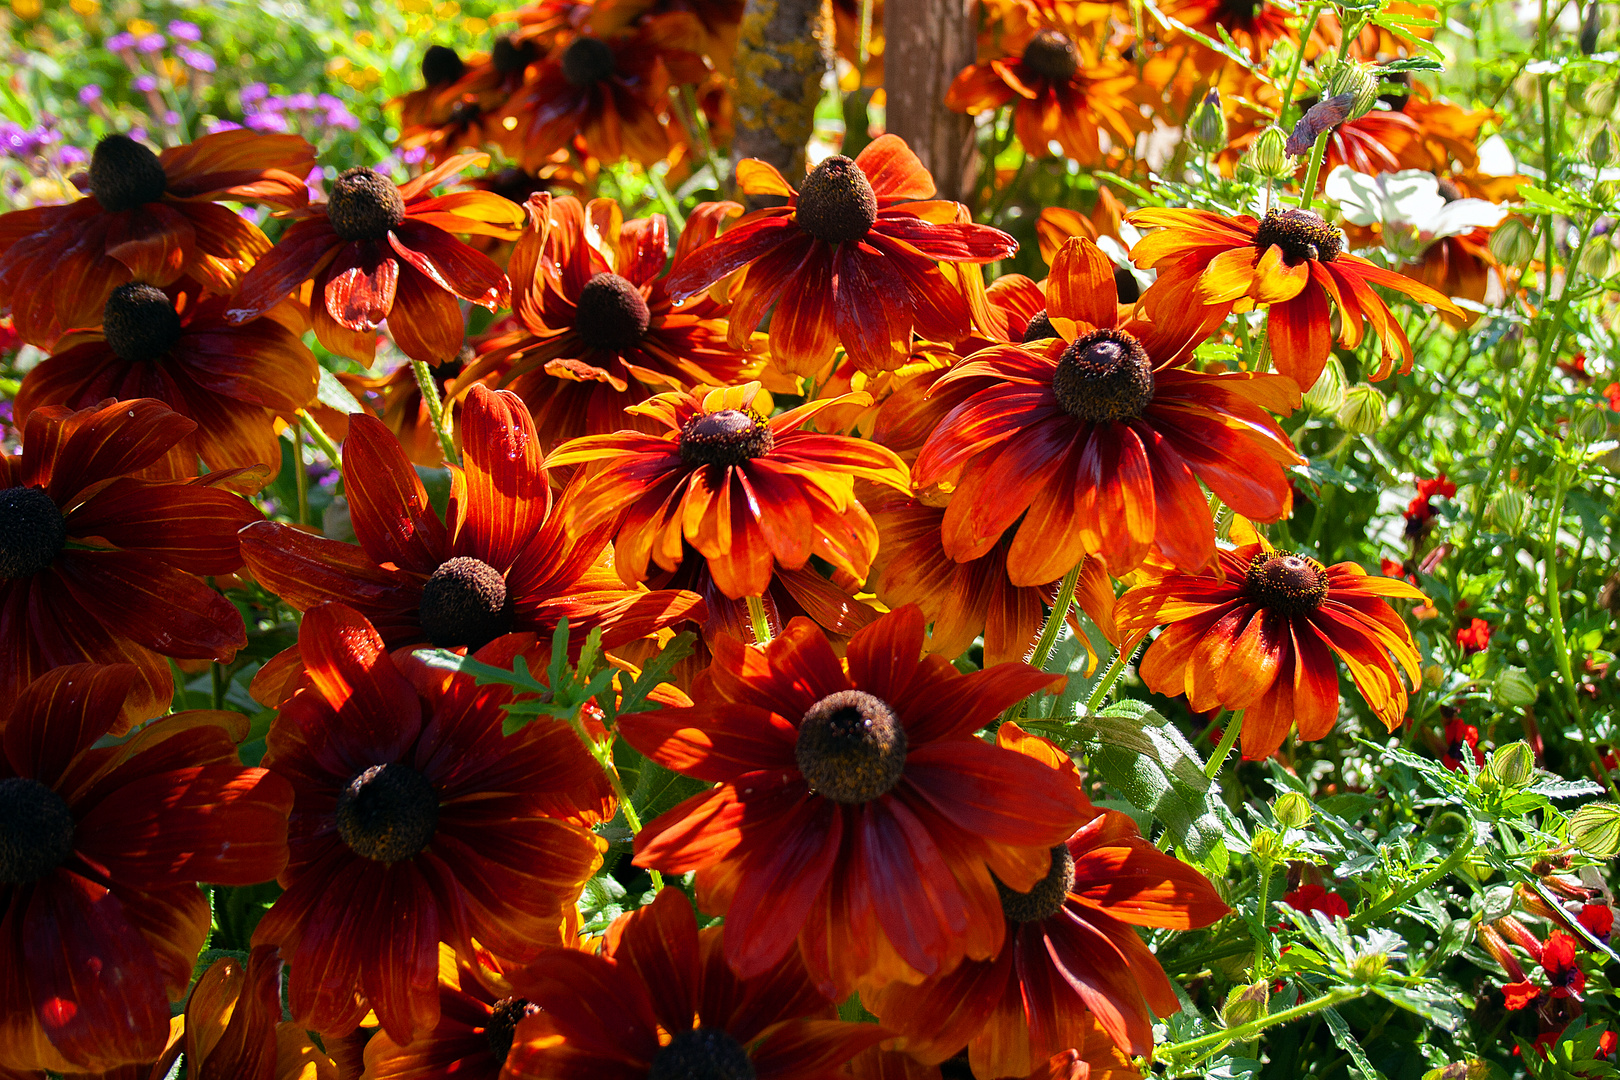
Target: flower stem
pixel 300 471
pixel 1312 14
pixel 321 439
pixel 603 753
pixel 671 207
pixel 756 615
pixel 436 410
pixel 1229 737
pixel 1246 1032
pixel 1318 151
pixel 1116 668
pixel 1049 632
pixel 1390 903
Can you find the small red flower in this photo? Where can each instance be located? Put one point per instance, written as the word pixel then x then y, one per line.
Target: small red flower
pixel 1428 489
pixel 1475 637
pixel 1308 898
pixel 1460 737
pixel 1612 392
pixel 1517 995
pixel 1563 972
pixel 1598 920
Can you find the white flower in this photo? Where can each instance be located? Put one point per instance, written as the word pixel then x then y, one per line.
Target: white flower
pixel 1409 206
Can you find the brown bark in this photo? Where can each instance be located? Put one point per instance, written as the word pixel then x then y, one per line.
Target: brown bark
pixel 783 51
pixel 926 43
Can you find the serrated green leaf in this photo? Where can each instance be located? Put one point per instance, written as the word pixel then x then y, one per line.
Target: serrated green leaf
pixel 1349 1043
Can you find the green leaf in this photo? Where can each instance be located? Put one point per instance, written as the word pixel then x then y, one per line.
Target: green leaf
pixel 1349 1043
pixel 1414 63
pixel 1595 829
pixel 334 395
pixel 656 671
pixel 1436 1005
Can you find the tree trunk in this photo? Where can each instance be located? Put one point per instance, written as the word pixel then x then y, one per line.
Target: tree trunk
pixel 926 43
pixel 783 52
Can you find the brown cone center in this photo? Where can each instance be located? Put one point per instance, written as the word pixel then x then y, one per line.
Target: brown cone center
pixel 124 174
pixel 388 813
pixel 1300 233
pixel 851 747
pixel 587 61
pixel 726 437
pixel 36 830
pixel 511 57
pixel 704 1053
pixel 1290 584
pixel 1051 55
pixel 1046 898
pixel 1104 376
pixel 441 65
pixel 504 1018
pixel 364 205
pixel 139 322
pixel 836 202
pixel 32 532
pixel 612 313
pixel 465 603
pixel 1039 329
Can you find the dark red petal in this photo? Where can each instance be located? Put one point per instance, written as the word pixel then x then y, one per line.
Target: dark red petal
pixel 388 504
pixel 508 494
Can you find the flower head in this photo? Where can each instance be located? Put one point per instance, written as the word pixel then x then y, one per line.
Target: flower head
pixel 1475 637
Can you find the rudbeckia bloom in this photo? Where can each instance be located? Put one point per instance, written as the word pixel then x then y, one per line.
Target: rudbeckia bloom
pixel 99 561
pixel 1070 952
pixel 148 217
pixel 601 331
pixel 233 381
pixel 601 97
pixel 736 486
pixel 1102 439
pixel 853 258
pixel 963 600
pixel 101 849
pixel 1292 261
pixel 500 564
pixel 660 1001
pixel 416 821
pixel 857 817
pixel 460 112
pixel 1061 90
pixel 379 251
pixel 1258 631
pixel 1254 25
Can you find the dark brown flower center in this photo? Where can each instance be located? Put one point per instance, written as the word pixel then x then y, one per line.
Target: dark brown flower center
pixel 1051 55
pixel 1301 235
pixel 139 322
pixel 1039 328
pixel 836 202
pixel 704 1053
pixel 612 313
pixel 1104 376
pixel 851 748
pixel 124 174
pixel 1449 191
pixel 36 830
pixel 504 1017
pixel 1240 12
pixel 727 437
pixel 1126 288
pixel 1046 898
pixel 1289 584
pixel 441 65
pixel 32 531
pixel 587 61
pixel 465 603
pixel 388 813
pixel 364 205
pixel 510 57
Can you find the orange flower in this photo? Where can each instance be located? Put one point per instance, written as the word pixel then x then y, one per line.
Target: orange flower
pixel 148 217
pixel 1062 91
pixel 103 850
pixel 1099 440
pixel 1258 632
pixel 739 488
pixel 1071 960
pixel 378 251
pixel 602 97
pixel 1292 261
pixel 857 817
pixel 660 1001
pixel 963 600
pixel 852 258
pixel 233 381
pixel 128 589
pixel 602 332
pixel 458 108
pixel 416 821
pixel 1253 25
pixel 499 564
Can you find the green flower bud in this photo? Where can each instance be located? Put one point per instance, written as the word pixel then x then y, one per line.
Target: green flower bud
pixel 1364 410
pixel 1369 967
pixel 1600 151
pixel 1591 27
pixel 1600 99
pixel 1356 79
pixel 1513 765
pixel 1207 128
pixel 1327 394
pixel 1506 510
pixel 1292 810
pixel 1595 829
pixel 1267 158
pixel 1265 846
pixel 1513 243
pixel 1598 256
pixel 1513 689
pixel 1245 1004
pixel 1587 426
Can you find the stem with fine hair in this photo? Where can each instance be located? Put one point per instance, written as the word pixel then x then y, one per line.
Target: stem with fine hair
pixel 1049 632
pixel 603 753
pixel 1229 737
pixel 756 615
pixel 1245 1032
pixel 1311 16
pixel 1116 668
pixel 437 413
pixel 1318 151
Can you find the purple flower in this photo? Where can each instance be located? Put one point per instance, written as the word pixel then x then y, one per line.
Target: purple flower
pixel 70 156
pixel 301 101
pixel 90 94
pixel 223 125
pixel 171 118
pixel 121 42
pixel 341 117
pixel 254 92
pixel 146 83
pixel 185 31
pixel 413 155
pixel 266 121
pixel 196 59
pixel 152 43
